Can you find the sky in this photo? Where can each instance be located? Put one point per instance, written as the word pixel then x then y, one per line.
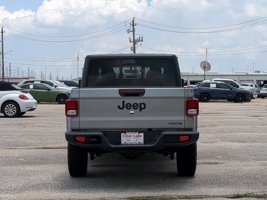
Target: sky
pixel 50 38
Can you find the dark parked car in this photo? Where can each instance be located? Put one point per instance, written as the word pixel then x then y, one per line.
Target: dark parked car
pixel 220 90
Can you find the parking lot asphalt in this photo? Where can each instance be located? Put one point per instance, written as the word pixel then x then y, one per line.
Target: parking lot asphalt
pixel 232 160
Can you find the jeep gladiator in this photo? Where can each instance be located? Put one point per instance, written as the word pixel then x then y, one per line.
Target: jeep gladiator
pixel 131 104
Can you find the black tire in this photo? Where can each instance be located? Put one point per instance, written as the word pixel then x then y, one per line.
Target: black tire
pixel 186 160
pixel 240 98
pixel 21 114
pixel 10 109
pixel 77 161
pixel 204 98
pixel 61 98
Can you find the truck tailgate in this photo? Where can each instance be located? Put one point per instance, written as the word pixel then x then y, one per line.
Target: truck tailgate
pixel 106 108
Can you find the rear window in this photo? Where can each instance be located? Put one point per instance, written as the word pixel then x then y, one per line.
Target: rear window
pixel 132 72
pixel 5 86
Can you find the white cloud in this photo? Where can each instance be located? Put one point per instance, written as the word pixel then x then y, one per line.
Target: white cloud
pixel 255 10
pixel 84 13
pixel 73 17
pixel 17 17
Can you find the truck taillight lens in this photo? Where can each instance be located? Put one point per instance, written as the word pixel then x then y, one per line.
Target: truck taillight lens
pixel 192 107
pixel 71 108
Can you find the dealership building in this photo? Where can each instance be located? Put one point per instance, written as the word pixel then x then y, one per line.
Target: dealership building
pixel 259 78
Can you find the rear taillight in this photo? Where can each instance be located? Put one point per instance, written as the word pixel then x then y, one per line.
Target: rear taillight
pixel 71 108
pixel 192 107
pixel 184 138
pixel 80 139
pixel 23 97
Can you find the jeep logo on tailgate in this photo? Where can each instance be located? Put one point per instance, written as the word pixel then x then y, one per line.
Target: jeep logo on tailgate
pixel 134 106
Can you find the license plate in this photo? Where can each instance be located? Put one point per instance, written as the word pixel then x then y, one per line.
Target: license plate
pixel 132 138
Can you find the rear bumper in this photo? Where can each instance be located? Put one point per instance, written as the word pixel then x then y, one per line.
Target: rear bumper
pixel 110 141
pixel 29 105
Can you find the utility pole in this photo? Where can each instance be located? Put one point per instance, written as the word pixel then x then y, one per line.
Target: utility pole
pixel 133 31
pixel 9 72
pixel 78 67
pixel 134 40
pixel 206 67
pixel 3 60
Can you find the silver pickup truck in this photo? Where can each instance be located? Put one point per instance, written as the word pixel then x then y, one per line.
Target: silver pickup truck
pixel 131 104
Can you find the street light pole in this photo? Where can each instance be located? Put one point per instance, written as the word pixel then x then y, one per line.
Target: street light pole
pixel 3 62
pixel 78 67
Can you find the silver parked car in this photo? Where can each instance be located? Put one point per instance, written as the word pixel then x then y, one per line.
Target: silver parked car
pixel 255 86
pixel 263 91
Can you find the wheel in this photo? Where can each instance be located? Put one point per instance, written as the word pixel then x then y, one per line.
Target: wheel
pixel 10 109
pixel 239 98
pixel 61 98
pixel 204 98
pixel 186 160
pixel 77 161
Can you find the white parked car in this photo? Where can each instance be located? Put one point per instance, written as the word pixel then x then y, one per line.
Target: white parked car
pixel 13 102
pixel 253 85
pixel 263 91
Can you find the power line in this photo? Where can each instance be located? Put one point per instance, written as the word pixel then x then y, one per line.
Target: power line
pixel 222 53
pixel 42 64
pixel 119 29
pixel 201 32
pixel 53 61
pixel 66 36
pixel 187 30
pixel 262 19
pixel 119 49
pixel 46 60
